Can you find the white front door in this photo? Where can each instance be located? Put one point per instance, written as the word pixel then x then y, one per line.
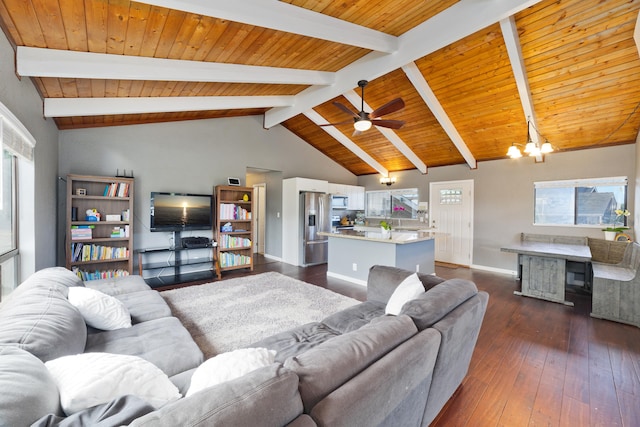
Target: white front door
pixel 451 213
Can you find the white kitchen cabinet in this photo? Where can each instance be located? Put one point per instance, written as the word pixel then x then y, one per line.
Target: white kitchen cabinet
pixel 356 198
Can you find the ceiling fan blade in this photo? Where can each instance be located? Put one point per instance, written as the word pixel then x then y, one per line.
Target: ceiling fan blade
pixel 391 124
pixel 346 122
pixel 388 108
pixel 346 110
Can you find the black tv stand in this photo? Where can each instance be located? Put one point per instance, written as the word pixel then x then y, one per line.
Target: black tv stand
pixel 178 257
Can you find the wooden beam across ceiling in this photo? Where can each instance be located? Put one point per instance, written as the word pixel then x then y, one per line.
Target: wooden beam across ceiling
pixel 39 62
pixel 70 107
pixel 285 17
pixel 417 80
pixel 456 22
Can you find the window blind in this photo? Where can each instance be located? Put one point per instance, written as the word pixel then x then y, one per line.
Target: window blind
pixel 588 182
pixel 15 137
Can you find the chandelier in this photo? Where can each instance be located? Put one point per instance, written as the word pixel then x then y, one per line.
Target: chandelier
pixel 387 180
pixel 533 149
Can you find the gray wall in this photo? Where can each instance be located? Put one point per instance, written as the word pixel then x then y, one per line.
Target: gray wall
pixel 194 156
pixel 504 194
pixel 38 207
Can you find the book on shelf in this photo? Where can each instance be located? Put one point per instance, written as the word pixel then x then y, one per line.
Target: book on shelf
pixel 116 189
pixel 228 259
pixel 99 274
pixel 82 252
pixel 233 211
pixel 81 233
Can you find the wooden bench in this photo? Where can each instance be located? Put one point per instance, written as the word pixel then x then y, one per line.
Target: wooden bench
pixel 616 287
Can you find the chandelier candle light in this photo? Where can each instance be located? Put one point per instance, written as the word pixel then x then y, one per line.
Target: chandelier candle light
pixel 533 149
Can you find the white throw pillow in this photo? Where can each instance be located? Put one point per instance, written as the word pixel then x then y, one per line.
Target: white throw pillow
pixel 90 379
pixel 228 366
pixel 409 289
pixel 98 309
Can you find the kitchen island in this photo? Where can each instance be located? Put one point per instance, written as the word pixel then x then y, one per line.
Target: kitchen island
pixel 352 253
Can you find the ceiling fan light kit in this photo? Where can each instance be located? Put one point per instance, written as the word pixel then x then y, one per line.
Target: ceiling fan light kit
pixel 363 121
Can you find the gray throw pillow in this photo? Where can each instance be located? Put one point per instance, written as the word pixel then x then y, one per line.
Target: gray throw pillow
pixel 43 322
pixel 28 390
pixel 438 301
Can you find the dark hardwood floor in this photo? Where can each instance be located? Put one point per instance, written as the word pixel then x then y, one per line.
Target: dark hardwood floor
pixel 536 363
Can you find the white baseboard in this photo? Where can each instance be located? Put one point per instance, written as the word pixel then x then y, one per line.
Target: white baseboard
pixel 275 258
pixel 347 278
pixel 494 270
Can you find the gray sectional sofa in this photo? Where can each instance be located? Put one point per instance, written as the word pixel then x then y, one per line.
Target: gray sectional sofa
pixel 358 367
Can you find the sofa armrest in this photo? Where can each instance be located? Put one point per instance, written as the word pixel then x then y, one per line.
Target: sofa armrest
pixel 384 279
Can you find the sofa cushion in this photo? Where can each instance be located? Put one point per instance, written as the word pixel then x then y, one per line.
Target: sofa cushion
pixel 119 285
pixel 407 290
pixel 90 379
pixel 384 279
pixel 265 397
pixel 28 390
pixel 354 317
pixel 120 411
pixel 163 342
pixel 42 321
pixel 228 366
pixel 297 340
pixel 434 304
pixel 99 310
pixel 145 305
pixel 332 363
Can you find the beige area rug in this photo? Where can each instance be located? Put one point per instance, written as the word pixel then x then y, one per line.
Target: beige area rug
pixel 234 313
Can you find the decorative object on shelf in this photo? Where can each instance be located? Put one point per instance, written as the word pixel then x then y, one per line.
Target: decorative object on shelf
pixel 92 215
pixel 233 181
pixel 532 147
pixel 388 180
pixel 623 237
pixel 245 197
pixel 611 232
pixel 81 191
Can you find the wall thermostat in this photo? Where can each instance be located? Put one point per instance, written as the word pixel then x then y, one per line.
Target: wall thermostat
pixel 233 181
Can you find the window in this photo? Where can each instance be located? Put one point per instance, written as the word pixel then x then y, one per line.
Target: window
pixel 580 202
pixel 17 146
pixel 401 204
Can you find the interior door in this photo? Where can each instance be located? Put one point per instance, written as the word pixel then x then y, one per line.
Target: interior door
pixel 451 214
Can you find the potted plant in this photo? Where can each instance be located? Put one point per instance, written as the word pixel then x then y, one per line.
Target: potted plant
pixel 610 232
pixel 385 229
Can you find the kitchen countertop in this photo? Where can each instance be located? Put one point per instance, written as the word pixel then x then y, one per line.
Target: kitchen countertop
pixel 397 236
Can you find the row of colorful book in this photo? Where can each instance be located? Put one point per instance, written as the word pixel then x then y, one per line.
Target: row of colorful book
pixel 233 260
pixel 99 274
pixel 86 252
pixel 233 211
pixel 226 241
pixel 116 189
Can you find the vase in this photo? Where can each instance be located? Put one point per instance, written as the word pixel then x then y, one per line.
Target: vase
pixel 386 234
pixel 610 235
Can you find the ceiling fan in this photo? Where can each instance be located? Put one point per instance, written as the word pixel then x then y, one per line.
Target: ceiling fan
pixel 362 120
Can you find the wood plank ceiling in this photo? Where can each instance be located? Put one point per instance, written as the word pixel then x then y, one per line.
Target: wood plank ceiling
pixel 471 74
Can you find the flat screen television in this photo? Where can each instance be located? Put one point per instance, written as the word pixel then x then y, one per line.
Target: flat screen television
pixel 180 211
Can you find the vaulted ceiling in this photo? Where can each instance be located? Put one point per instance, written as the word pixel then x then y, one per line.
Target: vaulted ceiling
pixel 472 73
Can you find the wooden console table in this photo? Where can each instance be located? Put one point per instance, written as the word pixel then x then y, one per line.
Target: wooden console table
pixel 544 267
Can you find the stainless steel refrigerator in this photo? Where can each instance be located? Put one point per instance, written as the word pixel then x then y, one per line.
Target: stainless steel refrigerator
pixel 315 209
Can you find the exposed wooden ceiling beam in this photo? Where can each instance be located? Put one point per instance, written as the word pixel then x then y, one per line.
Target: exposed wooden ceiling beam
pixel 423 88
pixel 71 107
pixel 285 17
pixel 393 137
pixel 344 140
pixel 456 22
pixel 514 50
pixel 39 62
